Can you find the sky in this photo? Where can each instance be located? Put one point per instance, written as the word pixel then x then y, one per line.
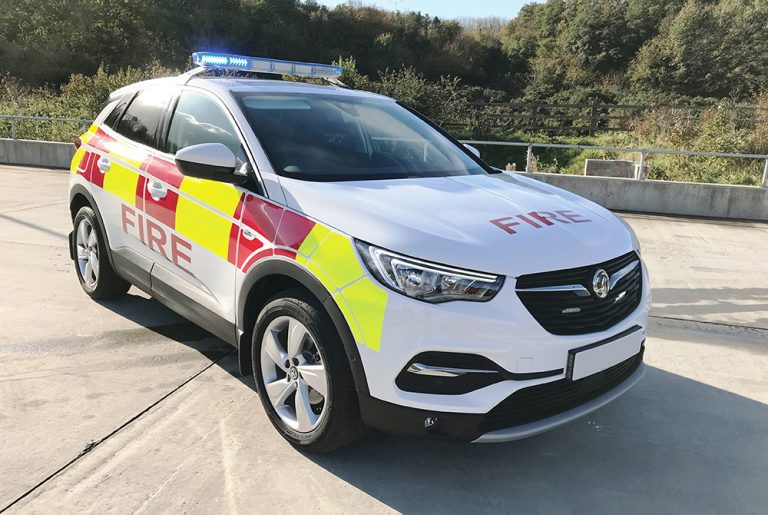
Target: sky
pixel 446 8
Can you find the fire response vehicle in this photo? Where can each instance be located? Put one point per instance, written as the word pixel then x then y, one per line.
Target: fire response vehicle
pixel 370 270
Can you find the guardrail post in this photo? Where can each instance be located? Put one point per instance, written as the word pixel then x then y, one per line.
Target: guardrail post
pixel 765 175
pixel 529 159
pixel 13 128
pixel 641 167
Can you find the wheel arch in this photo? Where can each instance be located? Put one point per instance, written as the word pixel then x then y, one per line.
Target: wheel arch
pixel 277 274
pixel 80 197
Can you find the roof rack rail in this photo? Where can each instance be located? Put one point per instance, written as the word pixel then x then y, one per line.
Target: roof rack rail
pixel 208 61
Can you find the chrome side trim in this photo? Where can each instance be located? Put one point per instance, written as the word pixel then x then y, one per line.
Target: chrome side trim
pixel 576 288
pixel 620 274
pixel 580 289
pixel 540 426
pixel 428 370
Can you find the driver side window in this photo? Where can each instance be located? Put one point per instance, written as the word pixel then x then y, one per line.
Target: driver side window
pixel 198 119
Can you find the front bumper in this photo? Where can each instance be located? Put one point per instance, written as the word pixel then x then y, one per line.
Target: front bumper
pixel 501 331
pixel 473 427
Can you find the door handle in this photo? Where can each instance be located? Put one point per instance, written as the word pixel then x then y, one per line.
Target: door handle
pixel 157 190
pixel 103 164
pixel 248 233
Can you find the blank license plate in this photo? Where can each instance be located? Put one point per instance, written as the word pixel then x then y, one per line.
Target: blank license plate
pixel 596 357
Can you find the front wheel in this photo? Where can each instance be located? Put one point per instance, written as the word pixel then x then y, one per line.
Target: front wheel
pixel 303 376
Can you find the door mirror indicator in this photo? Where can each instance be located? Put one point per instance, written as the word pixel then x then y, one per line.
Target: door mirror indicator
pixel 211 161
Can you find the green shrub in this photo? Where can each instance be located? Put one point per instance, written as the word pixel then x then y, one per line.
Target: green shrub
pixel 82 97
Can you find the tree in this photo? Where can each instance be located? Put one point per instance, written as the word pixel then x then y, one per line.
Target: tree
pixel 707 49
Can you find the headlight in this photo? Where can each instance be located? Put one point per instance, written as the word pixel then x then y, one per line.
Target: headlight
pixel 427 281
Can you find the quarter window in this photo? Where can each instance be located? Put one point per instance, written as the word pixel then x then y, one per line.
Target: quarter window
pixel 119 106
pixel 198 119
pixel 143 116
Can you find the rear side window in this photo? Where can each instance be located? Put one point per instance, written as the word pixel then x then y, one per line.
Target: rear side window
pixel 199 119
pixel 143 116
pixel 114 116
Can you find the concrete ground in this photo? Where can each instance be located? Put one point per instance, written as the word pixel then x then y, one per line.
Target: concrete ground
pixel 125 407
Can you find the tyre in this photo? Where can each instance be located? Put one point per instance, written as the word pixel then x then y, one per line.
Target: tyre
pixel 303 376
pixel 94 271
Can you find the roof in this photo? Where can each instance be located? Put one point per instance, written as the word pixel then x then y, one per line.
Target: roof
pixel 222 85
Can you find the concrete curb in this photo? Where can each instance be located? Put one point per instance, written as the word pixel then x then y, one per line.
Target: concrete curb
pixel 46 154
pixel 670 198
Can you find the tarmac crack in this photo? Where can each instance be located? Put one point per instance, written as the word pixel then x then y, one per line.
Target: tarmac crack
pixel 704 322
pixel 36 206
pixel 90 446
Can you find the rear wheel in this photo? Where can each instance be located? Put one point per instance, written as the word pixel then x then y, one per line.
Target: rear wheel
pixel 303 375
pixel 94 271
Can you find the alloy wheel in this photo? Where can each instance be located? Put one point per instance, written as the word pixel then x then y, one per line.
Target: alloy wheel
pixel 295 378
pixel 87 253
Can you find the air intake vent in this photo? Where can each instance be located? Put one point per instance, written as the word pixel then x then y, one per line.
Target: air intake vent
pixel 543 401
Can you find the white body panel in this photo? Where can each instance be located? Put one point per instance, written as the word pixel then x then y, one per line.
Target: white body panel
pixel 448 220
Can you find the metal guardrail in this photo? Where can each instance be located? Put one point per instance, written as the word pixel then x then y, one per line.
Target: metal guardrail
pixel 13 120
pixel 642 151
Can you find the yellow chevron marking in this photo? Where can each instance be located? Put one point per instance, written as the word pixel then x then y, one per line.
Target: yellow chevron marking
pixel 121 181
pixel 201 224
pixel 368 302
pixel 338 259
pixel 312 241
pixel 77 159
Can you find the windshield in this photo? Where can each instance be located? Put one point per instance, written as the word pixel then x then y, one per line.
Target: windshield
pixel 341 138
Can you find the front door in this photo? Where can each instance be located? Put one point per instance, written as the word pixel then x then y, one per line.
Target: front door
pixel 200 217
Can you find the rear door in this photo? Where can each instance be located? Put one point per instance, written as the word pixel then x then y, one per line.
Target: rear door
pixel 120 157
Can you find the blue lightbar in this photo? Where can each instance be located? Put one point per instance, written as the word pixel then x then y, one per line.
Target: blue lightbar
pixel 264 65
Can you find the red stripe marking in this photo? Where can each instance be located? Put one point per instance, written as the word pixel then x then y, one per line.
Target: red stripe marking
pixel 285 253
pixel 101 139
pixel 245 248
pixel 262 216
pixel 83 167
pixel 234 232
pixel 140 193
pixel 164 209
pixel 101 142
pixel 140 184
pixel 166 171
pixel 96 175
pixel 256 257
pixel 293 230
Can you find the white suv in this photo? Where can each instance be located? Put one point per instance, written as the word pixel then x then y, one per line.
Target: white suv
pixel 370 269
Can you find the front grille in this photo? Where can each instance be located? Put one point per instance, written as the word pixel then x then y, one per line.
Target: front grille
pixel 569 312
pixel 546 400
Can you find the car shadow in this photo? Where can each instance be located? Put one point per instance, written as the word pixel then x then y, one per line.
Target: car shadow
pixel 153 316
pixel 669 445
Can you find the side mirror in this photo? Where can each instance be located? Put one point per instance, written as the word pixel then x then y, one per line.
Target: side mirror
pixel 211 161
pixel 472 149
